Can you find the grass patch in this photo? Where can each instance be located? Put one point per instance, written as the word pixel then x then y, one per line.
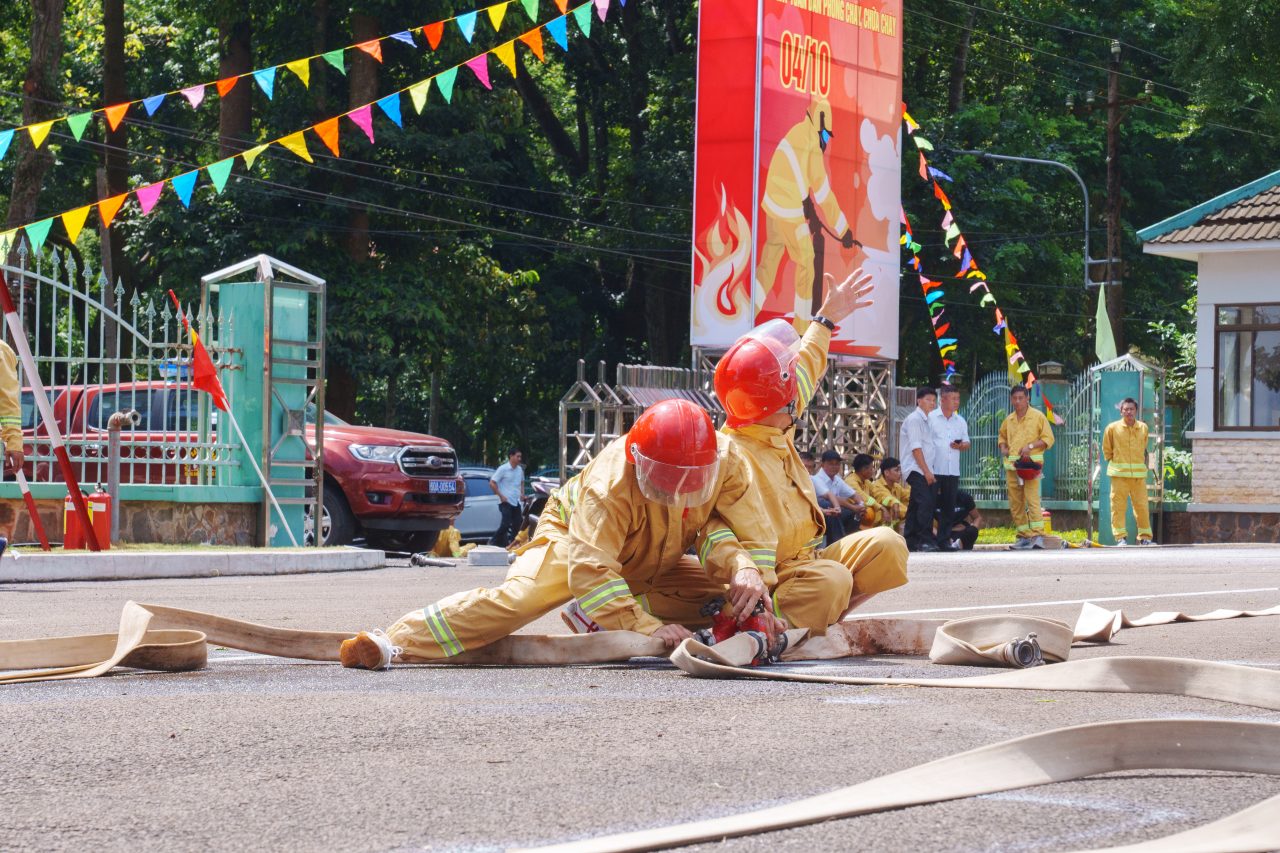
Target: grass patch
pixel 1007 535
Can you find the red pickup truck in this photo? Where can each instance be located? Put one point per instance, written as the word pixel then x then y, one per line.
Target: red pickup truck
pixel 398 489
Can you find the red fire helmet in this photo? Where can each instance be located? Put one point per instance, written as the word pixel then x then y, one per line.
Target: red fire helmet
pixel 673 447
pixel 757 376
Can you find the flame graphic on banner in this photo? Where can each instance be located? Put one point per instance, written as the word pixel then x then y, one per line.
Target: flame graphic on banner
pixel 724 263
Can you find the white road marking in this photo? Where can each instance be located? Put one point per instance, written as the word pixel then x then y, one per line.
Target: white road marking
pixel 1070 601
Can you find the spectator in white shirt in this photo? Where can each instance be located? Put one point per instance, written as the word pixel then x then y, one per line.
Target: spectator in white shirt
pixel 507 483
pixel 950 438
pixel 840 495
pixel 915 444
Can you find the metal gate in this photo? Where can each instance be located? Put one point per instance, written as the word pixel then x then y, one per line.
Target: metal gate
pixel 100 349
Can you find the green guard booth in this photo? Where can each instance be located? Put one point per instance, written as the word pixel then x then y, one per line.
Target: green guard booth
pixel 276 323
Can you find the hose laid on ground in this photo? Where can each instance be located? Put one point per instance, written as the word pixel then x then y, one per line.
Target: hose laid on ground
pixel 1060 755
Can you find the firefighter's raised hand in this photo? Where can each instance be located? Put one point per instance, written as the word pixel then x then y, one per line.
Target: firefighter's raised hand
pixel 847 296
pixel 13 461
pixel 672 635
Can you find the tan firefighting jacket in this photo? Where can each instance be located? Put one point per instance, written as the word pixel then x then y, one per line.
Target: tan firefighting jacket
pixel 785 522
pixel 796 171
pixel 10 400
pixel 890 494
pixel 1125 449
pixel 1016 434
pixel 619 541
pixel 862 488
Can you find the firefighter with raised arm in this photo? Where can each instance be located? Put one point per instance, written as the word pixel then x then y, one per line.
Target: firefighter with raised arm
pixel 799 205
pixel 764 382
pixel 611 544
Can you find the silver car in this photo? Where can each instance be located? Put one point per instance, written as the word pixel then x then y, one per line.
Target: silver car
pixel 480 517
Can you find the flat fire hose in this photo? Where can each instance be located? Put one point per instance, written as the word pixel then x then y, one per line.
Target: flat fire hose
pixel 1060 755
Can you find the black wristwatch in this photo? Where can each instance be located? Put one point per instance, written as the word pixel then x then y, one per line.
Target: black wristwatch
pixel 818 318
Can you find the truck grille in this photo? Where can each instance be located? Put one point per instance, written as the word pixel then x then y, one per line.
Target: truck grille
pixel 428 462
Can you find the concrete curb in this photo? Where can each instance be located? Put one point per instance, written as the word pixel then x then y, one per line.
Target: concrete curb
pixel 41 567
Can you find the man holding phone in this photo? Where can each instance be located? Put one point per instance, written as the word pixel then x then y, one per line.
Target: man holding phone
pixel 950 438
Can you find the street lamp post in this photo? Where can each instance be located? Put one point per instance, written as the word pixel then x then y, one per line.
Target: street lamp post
pixel 1084 192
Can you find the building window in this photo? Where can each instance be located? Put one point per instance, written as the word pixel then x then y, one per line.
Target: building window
pixel 1247 375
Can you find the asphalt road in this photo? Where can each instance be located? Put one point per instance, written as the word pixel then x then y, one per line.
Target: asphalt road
pixel 262 753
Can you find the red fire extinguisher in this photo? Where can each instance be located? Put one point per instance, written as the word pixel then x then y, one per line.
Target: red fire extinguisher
pixel 100 516
pixel 72 531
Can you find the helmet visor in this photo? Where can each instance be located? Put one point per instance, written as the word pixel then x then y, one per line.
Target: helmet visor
pixel 675 485
pixel 780 338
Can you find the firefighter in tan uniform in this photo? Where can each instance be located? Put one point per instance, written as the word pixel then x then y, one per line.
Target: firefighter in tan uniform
pixel 1124 446
pixel 891 492
pixel 796 188
pixel 764 381
pixel 860 480
pixel 612 541
pixel 10 410
pixel 1024 437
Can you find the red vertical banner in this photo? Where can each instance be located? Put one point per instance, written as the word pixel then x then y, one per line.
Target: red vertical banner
pixel 721 307
pixel 824 147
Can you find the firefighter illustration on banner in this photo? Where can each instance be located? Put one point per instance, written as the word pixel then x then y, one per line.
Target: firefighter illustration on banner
pixel 801 210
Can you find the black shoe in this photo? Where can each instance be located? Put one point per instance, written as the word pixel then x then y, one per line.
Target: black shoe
pixel 927 547
pixel 947 547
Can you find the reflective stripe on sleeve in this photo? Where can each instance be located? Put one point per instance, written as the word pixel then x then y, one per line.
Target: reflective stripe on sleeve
pixel 441 632
pixel 764 558
pixel 712 539
pixel 805 383
pixel 603 594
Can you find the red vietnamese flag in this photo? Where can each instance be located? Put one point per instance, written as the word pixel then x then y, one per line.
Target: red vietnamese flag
pixel 204 375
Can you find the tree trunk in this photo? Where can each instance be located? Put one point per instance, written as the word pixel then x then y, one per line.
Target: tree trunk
pixel 41 95
pixel 362 82
pixel 433 417
pixel 235 56
pixel 339 390
pixel 959 63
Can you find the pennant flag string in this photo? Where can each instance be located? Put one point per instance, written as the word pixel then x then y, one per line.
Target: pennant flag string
pixel 219 172
pixel 301 68
pixel 1020 371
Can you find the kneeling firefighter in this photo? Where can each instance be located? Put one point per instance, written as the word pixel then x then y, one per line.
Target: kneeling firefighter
pixel 610 543
pixel 764 382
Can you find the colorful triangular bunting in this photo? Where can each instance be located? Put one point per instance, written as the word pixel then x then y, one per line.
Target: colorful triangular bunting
pixel 301 69
pixel 433 32
pixel 37 232
pixel 152 104
pixel 533 39
pixel 563 6
pixel 418 94
pixel 73 221
pixel 225 85
pixel 531 9
pixel 219 171
pixel 39 132
pixel 444 82
pixel 336 59
pixel 252 154
pixel 328 132
pixel 149 195
pixel 6 136
pixel 109 207
pixel 297 143
pixel 497 12
pixel 602 8
pixel 373 47
pixel 391 106
pixel 582 15
pixel 467 25
pixel 194 95
pixel 406 37
pixel 558 27
pixel 506 54
pixel 266 80
pixel 184 184
pixel 363 119
pixel 78 123
pixel 480 65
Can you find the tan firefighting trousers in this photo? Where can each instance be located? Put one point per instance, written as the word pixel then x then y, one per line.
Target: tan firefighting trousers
pixel 1024 505
pixel 536 584
pixel 1123 490
pixel 815 593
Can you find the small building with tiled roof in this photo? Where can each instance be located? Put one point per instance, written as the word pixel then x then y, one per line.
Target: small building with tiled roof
pixel 1235 241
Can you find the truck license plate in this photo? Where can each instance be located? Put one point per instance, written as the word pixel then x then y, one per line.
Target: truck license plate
pixel 442 487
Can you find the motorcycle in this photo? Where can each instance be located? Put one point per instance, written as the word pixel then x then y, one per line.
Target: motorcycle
pixel 535 502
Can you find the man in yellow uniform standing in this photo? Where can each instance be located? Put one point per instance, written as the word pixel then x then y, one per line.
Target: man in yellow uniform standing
pixel 1024 437
pixel 796 189
pixel 611 543
pixel 1124 446
pixel 764 382
pixel 10 425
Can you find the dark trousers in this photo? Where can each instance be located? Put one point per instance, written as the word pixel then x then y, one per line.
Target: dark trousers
pixel 918 528
pixel 948 485
pixel 511 520
pixel 968 535
pixel 838 526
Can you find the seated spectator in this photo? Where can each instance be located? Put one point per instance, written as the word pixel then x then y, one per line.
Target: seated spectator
pixel 827 501
pixel 840 495
pixel 860 480
pixel 967 521
pixel 890 492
